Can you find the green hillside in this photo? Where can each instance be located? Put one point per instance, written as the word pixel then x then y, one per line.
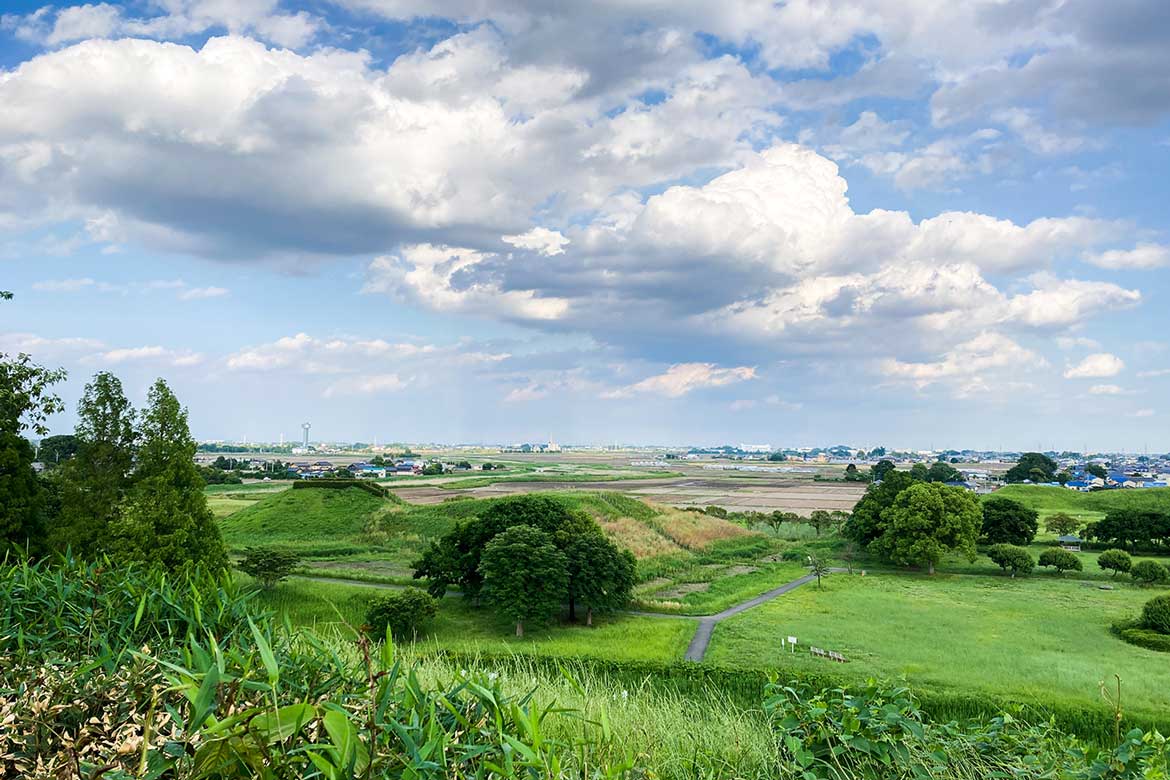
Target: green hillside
pixel 1089 507
pixel 312 522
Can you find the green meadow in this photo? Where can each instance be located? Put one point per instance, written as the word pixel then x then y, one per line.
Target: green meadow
pixel 1027 638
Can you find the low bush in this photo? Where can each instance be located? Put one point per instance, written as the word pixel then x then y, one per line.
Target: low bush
pixel 1132 632
pixel 403 612
pixel 1061 560
pixel 1156 615
pixel 1008 557
pixel 1149 573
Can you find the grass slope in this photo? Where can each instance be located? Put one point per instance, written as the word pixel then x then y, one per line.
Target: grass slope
pixel 311 522
pixel 1087 507
pixel 1025 638
pixel 458 626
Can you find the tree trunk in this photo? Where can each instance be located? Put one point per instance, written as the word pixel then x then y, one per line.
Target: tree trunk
pixel 572 609
pixel 589 616
pixel 930 569
pixel 519 628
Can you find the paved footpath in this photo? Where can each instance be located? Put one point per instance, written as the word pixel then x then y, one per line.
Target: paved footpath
pixel 699 642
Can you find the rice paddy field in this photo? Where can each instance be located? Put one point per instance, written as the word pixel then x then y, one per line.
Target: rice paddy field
pixel 1029 638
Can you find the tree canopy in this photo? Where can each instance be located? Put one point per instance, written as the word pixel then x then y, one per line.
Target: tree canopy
pixel 1008 522
pixel 1034 466
pixel 927 521
pixel 524 575
pixel 165 517
pixel 866 524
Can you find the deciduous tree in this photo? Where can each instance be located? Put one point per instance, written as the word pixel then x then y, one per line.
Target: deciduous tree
pixel 926 521
pixel 1062 524
pixel 1061 560
pixel 524 575
pixel 1008 522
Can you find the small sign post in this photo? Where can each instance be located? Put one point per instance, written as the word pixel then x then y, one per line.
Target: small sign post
pixel 792 643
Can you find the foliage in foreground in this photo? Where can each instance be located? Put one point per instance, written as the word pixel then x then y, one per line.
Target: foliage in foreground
pixel 880 732
pixel 138 675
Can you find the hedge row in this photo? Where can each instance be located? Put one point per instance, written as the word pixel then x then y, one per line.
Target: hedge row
pixel 341 484
pixel 746 686
pixel 1142 637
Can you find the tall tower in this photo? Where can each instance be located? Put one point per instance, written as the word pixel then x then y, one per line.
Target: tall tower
pixel 305 428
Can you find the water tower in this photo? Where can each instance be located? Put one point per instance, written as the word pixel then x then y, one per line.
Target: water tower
pixel 305 428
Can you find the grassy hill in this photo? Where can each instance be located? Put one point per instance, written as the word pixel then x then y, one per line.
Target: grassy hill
pixel 687 561
pixel 311 522
pixel 1086 506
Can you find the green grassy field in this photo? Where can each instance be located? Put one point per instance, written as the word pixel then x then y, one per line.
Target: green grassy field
pixel 1087 507
pixel 1028 638
pixel 311 522
pixel 329 607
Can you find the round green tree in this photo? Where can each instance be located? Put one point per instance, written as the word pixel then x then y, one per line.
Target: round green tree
pixel 403 612
pixel 1008 522
pixel 1115 561
pixel 1149 573
pixel 926 521
pixel 1011 558
pixel 524 575
pixel 1156 615
pixel 1061 560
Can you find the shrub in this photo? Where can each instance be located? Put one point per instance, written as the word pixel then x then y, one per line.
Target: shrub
pixel 403 612
pixel 1009 557
pixel 1156 615
pixel 1142 637
pixel 1061 560
pixel 1149 572
pixel 1115 561
pixel 268 565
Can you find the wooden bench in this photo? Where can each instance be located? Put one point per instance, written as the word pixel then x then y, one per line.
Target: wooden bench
pixel 829 654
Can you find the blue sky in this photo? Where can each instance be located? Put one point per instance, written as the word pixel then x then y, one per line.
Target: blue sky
pixel 908 223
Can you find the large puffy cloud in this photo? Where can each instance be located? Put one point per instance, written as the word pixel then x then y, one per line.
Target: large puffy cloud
pixel 772 256
pixel 683 378
pixel 238 150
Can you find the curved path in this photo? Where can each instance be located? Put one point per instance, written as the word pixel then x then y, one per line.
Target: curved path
pixel 699 642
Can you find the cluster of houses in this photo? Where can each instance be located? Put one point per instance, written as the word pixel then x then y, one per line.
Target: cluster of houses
pixel 361 469
pixel 1086 482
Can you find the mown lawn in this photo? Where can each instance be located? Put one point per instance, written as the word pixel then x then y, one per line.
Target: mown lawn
pixel 1029 638
pixel 329 607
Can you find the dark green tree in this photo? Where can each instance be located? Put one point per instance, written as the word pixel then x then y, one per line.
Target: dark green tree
pixel 52 451
pixel 1011 558
pixel 454 559
pixel 165 518
pixel 927 521
pixel 26 402
pixel 881 468
pixel 1008 522
pixel 1127 527
pixel 866 524
pixel 1034 466
pixel 919 472
pixel 943 472
pixel 601 577
pixel 94 484
pixel 524 575
pixel 1097 470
